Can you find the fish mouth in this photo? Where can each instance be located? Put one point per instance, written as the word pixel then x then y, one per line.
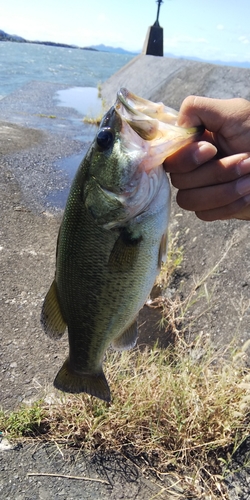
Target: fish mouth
pixel 155 122
pixel 148 134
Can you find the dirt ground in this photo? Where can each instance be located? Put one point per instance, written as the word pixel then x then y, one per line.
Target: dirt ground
pixel 30 147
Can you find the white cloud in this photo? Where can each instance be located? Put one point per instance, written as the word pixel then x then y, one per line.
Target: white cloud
pixel 177 41
pixel 243 39
pixel 220 27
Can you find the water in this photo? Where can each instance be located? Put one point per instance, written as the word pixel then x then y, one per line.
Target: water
pixel 85 100
pixel 82 70
pixel 21 63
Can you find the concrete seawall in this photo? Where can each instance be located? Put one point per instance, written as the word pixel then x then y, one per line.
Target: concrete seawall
pixel 171 80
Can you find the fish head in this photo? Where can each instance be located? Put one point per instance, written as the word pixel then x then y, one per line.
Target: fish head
pixel 125 161
pixel 117 153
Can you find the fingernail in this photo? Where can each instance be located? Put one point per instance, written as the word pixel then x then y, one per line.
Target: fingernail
pixel 243 167
pixel 243 185
pixel 204 152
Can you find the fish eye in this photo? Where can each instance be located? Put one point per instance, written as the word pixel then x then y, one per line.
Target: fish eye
pixel 104 138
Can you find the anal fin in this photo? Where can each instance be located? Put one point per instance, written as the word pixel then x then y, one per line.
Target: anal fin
pixel 51 317
pixel 127 339
pixel 67 380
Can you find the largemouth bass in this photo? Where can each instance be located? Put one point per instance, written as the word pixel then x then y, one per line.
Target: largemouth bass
pixel 112 239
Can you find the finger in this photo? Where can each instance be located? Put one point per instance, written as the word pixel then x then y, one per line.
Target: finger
pixel 190 157
pixel 213 172
pixel 196 110
pixel 227 120
pixel 211 197
pixel 240 209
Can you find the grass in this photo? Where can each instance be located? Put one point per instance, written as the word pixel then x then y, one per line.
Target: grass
pixel 47 116
pixel 25 421
pixel 178 412
pixel 181 410
pixel 93 120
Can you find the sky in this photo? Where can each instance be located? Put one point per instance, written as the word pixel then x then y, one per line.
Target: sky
pixel 209 30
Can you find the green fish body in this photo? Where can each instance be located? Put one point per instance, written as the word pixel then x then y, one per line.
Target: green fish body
pixel 111 243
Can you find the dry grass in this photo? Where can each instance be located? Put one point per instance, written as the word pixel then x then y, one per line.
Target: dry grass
pixel 183 410
pixel 164 401
pixel 96 120
pixel 93 120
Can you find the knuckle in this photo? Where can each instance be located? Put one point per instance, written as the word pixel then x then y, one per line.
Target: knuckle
pixel 188 103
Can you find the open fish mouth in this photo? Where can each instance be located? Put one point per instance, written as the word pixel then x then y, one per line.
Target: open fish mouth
pixel 155 122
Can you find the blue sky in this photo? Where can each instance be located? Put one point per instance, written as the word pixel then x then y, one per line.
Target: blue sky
pixel 210 30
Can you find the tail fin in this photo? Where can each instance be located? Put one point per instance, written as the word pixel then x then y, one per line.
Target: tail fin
pixel 69 381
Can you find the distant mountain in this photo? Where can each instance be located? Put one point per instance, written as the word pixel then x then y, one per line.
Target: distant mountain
pixel 5 37
pixel 10 38
pixel 54 44
pixel 106 48
pixel 119 50
pixel 239 64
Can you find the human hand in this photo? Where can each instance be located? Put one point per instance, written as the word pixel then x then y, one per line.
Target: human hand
pixel 214 187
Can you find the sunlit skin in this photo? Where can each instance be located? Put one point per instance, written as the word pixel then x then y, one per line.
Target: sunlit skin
pixel 213 175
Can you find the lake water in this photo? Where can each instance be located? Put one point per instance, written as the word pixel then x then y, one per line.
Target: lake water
pixel 21 63
pixel 84 99
pixel 83 71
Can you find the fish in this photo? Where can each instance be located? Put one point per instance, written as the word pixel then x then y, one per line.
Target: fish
pixel 112 239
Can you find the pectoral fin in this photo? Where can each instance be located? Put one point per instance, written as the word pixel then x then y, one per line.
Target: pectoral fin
pixel 51 316
pixel 162 256
pixel 124 252
pixel 68 380
pixel 127 339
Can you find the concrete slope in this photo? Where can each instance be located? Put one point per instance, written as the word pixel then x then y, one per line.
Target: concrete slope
pixel 171 80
